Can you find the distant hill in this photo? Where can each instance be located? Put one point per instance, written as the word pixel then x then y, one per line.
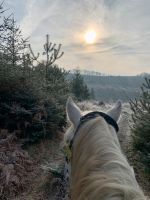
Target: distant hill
pixel 87 72
pixel 112 88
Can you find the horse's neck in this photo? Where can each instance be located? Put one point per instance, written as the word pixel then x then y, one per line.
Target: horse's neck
pixel 97 157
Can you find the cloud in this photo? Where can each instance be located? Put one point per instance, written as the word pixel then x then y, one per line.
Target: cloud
pixel 15 7
pixel 123 29
pixel 36 12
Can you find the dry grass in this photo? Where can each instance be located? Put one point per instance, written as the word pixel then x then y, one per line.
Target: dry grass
pixel 43 185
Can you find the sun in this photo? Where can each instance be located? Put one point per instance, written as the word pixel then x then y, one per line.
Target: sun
pixel 90 37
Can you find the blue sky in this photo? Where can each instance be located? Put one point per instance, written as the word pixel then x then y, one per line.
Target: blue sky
pixel 122 26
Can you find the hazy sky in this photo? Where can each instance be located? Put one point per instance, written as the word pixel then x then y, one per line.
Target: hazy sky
pixel 122 27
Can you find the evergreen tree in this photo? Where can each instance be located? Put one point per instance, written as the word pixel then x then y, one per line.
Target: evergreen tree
pixel 12 50
pixel 52 53
pixel 32 97
pixel 141 126
pixel 13 44
pixel 79 88
pixel 92 94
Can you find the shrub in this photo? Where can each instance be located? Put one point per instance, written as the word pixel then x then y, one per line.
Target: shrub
pixel 35 110
pixel 32 98
pixel 141 124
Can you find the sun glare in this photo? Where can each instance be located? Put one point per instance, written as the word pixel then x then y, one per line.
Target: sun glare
pixel 90 37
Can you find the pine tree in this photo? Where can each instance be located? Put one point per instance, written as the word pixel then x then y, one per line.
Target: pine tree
pixel 79 88
pixel 92 94
pixel 28 105
pixel 52 53
pixel 12 49
pixel 13 44
pixel 141 124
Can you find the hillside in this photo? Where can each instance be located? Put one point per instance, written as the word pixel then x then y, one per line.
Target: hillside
pixel 111 88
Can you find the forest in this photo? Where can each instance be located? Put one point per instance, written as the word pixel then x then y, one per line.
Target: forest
pixel 111 88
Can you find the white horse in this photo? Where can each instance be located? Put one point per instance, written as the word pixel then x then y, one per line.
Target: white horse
pixel 98 168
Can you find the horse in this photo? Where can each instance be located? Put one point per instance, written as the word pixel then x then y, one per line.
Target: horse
pixel 97 167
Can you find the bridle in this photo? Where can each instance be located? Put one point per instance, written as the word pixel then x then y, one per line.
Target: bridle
pixel 85 118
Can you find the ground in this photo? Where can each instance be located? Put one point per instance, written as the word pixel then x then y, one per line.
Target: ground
pixel 48 156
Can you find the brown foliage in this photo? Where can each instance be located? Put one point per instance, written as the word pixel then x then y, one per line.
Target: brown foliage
pixel 15 166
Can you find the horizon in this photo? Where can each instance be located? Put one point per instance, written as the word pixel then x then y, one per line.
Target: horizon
pixel 96 73
pixel 107 36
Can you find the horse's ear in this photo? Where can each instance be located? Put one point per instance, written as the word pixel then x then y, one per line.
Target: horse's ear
pixel 73 112
pixel 115 111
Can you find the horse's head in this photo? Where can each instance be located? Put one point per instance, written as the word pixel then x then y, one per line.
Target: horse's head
pixel 77 118
pixel 97 168
pixel 75 115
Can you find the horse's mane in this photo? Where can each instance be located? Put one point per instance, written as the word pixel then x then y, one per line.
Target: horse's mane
pixel 99 170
